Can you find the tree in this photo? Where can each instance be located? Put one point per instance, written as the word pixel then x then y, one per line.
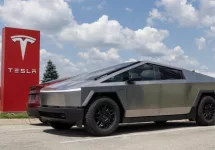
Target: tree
pixel 50 72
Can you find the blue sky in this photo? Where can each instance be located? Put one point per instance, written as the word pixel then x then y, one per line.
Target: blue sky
pixel 83 35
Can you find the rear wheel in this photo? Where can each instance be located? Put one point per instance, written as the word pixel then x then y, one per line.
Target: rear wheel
pixel 102 117
pixel 206 111
pixel 60 126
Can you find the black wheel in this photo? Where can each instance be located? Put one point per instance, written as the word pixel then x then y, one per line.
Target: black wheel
pixel 102 117
pixel 161 122
pixel 60 126
pixel 206 111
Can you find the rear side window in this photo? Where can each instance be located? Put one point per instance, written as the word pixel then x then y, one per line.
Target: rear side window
pixel 119 78
pixel 169 73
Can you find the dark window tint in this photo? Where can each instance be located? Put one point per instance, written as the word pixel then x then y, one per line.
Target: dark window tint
pixel 119 78
pixel 143 72
pixel 169 74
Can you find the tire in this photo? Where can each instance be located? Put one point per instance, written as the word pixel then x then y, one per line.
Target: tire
pixel 161 122
pixel 206 117
pixel 60 126
pixel 91 120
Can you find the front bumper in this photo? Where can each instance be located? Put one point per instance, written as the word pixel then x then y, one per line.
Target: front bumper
pixel 62 114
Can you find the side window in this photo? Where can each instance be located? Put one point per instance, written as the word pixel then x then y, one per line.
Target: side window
pixel 144 72
pixel 169 74
pixel 119 78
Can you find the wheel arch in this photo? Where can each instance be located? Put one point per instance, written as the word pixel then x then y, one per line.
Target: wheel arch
pixel 113 96
pixel 200 95
pixel 203 93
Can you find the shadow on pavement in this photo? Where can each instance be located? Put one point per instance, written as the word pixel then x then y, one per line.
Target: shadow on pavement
pixel 73 132
pixel 125 129
pixel 39 124
pixel 145 127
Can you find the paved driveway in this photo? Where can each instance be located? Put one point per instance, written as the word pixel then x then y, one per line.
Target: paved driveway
pixel 146 136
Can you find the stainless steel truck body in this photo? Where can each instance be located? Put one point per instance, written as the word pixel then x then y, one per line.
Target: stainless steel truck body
pixel 129 92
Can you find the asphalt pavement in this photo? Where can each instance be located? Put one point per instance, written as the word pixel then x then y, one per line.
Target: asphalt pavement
pixel 144 136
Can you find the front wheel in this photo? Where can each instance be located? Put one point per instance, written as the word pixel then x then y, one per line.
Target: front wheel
pixel 206 111
pixel 60 126
pixel 102 117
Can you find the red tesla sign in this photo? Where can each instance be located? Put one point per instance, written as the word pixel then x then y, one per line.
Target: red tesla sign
pixel 20 67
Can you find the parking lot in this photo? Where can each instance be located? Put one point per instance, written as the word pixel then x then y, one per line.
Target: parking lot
pixel 174 135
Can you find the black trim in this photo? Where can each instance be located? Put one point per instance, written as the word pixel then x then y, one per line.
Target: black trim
pixel 155 118
pixel 193 113
pixel 171 68
pixel 62 114
pixel 111 72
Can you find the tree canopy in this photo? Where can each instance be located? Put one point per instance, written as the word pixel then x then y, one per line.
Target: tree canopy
pixel 50 72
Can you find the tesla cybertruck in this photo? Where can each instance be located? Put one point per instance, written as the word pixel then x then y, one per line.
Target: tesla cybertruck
pixel 139 91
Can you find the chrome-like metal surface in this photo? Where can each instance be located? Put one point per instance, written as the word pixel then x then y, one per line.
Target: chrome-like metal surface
pixel 143 98
pixel 141 112
pixel 153 112
pixel 88 98
pixel 60 98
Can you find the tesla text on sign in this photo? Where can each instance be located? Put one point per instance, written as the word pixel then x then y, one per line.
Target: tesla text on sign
pixel 20 67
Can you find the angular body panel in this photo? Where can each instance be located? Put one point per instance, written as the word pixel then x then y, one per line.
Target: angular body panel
pixel 61 99
pixel 157 90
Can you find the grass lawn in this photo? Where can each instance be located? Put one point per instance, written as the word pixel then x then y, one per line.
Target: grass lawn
pixel 13 115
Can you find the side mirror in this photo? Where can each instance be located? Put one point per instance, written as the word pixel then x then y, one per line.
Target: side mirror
pixel 133 77
pixel 129 81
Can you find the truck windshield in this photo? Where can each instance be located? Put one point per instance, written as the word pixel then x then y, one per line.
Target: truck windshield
pixel 103 72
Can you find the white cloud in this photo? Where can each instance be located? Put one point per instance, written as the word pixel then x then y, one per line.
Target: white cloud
pixel 56 18
pixel 207 12
pixel 131 60
pixel 95 54
pixel 212 28
pixel 200 43
pixel 186 14
pixel 156 15
pixel 93 59
pixel 147 41
pixel 48 17
pixel 75 1
pixel 179 10
pixel 128 9
pixel 64 66
pixel 211 32
pixel 101 5
pixel 177 58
